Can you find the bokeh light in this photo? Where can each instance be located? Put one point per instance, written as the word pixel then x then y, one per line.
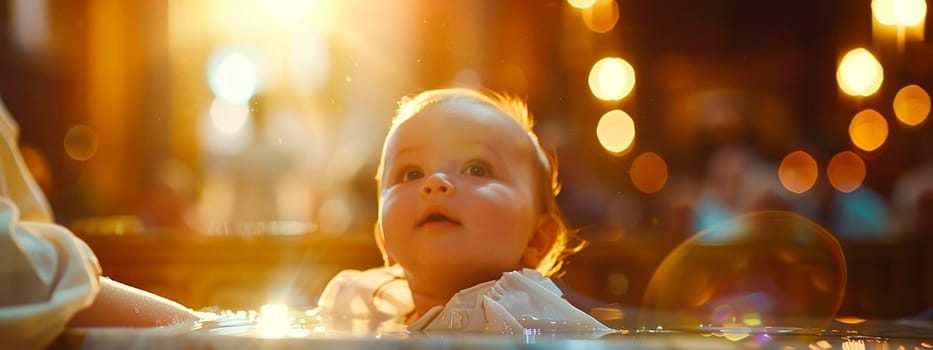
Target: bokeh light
pixel 846 171
pixel 868 130
pixel 912 105
pixel 223 134
pixel 611 79
pixel 39 167
pixel 309 60
pixel 81 142
pixel 899 12
pixel 335 215
pixel 581 4
pixel 648 172
pixel 616 131
pixel 233 76
pixel 859 73
pixel 601 16
pixel 228 117
pixel 272 321
pixel 798 172
pixel 287 10
pixel 765 269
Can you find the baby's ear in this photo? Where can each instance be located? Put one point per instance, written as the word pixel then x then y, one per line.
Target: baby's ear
pixel 381 242
pixel 541 241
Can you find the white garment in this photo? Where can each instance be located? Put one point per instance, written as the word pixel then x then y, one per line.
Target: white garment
pixel 520 301
pixel 46 273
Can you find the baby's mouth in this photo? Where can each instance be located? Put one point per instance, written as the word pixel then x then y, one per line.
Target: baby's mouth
pixel 438 219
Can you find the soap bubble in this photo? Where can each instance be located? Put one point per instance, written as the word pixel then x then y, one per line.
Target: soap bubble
pixel 756 271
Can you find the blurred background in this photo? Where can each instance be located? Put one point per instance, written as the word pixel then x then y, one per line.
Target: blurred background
pixel 223 152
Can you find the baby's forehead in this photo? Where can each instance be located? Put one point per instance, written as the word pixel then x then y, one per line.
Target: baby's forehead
pixel 460 120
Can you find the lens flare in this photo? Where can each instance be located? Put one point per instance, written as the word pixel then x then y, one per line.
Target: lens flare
pixel 81 143
pixel 741 264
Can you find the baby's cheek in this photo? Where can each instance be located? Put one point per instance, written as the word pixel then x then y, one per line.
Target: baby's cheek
pixel 504 209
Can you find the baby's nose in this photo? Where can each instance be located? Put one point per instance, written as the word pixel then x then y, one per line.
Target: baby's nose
pixel 437 184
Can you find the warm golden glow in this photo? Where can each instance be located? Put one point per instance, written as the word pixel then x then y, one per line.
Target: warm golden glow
pixel 735 335
pixel 335 215
pixel 850 320
pixel 234 77
pixel 227 117
pixel 912 105
pixel 615 131
pixel 899 12
pixel 856 344
pixel 752 319
pixel 846 171
pixel 648 172
pixel 798 172
pixel 273 321
pixel 611 79
pixel 859 73
pixel 581 4
pixel 601 16
pixel 868 130
pixel 38 166
pixel 287 10
pixel 81 143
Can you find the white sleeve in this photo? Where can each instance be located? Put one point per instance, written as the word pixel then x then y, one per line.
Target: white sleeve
pixel 46 273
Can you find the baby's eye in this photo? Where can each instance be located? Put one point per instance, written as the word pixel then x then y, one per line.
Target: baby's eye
pixel 477 170
pixel 411 174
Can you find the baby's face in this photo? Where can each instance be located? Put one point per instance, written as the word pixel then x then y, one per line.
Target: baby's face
pixel 457 203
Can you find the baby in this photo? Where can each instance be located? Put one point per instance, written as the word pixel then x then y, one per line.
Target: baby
pixel 468 223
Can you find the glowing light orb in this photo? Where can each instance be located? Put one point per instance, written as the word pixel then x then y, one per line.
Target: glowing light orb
pixel 846 171
pixel 912 105
pixel 765 269
pixel 615 131
pixel 581 4
pixel 227 117
pixel 611 79
pixel 273 321
pixel 899 12
pixel 648 172
pixel 233 77
pixel 601 16
pixel 798 172
pixel 859 73
pixel 868 130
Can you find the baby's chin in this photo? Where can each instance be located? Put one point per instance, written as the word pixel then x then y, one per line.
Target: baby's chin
pixel 463 275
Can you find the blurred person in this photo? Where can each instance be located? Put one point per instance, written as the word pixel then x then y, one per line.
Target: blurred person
pixel 912 197
pixel 468 223
pixel 50 278
pixel 738 182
